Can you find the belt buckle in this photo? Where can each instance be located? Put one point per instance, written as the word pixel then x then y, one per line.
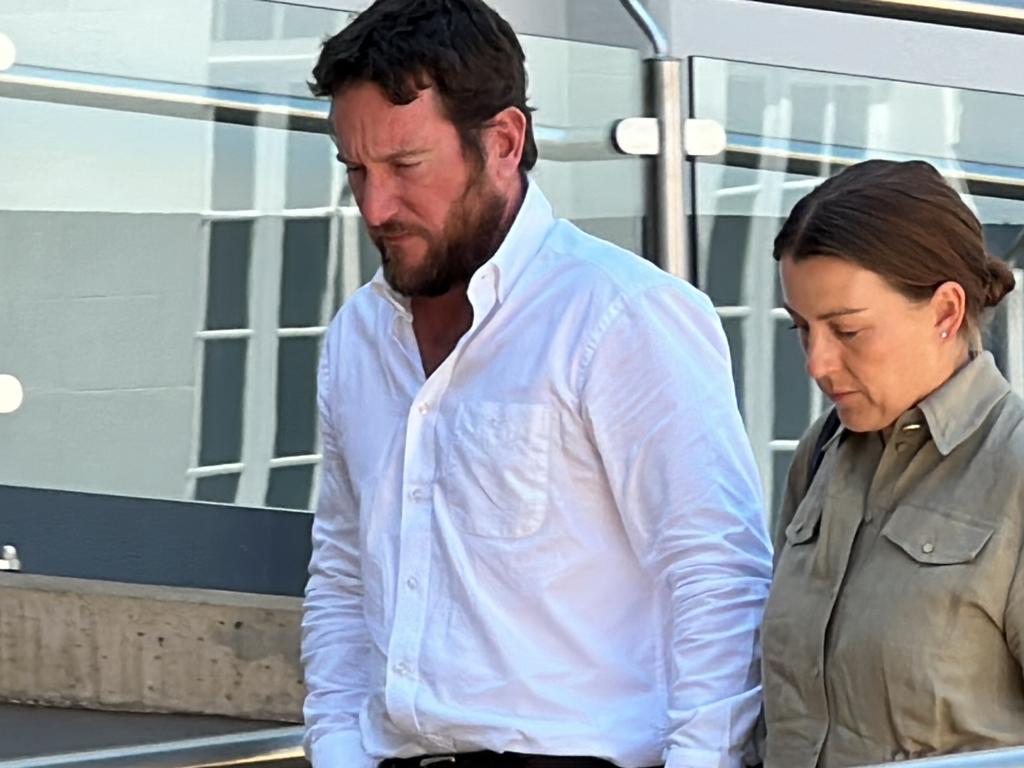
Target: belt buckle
pixel 436 760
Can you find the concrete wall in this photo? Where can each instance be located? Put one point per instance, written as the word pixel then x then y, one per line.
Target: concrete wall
pixel 97 645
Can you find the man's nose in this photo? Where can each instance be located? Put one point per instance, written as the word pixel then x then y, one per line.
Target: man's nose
pixel 377 199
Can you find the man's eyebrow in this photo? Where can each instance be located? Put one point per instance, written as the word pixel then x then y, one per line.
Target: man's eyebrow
pixel 841 312
pixel 401 154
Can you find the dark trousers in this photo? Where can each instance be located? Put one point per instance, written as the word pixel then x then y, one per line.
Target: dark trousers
pixel 495 760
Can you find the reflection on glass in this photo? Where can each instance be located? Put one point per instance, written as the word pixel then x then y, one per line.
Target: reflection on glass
pixel 290 487
pixel 311 157
pixel 223 387
pixel 779 469
pixel 724 275
pixel 787 129
pixel 168 268
pixel 227 289
pixel 255 45
pixel 733 327
pixel 792 392
pixel 219 488
pixel 240 20
pixel 296 396
pixel 304 272
pixel 234 153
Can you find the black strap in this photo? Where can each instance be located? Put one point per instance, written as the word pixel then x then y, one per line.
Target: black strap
pixel 829 428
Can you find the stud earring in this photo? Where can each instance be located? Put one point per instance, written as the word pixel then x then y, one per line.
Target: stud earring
pixel 944 334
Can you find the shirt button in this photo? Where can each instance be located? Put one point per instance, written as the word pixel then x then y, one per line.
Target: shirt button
pixel 927 547
pixel 411 582
pixel 417 494
pixel 424 408
pixel 401 668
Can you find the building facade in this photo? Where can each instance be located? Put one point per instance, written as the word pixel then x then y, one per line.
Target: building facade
pixel 175 233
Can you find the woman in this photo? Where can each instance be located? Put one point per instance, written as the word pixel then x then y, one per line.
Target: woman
pixel 895 625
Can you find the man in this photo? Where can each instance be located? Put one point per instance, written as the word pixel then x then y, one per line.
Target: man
pixel 539 532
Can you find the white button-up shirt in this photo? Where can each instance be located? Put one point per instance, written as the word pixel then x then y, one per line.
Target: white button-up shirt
pixel 555 543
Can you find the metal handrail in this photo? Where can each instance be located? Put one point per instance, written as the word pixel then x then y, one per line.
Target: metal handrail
pixel 969 14
pixel 226 105
pixel 650 28
pixel 788 156
pixel 271 748
pixel 995 758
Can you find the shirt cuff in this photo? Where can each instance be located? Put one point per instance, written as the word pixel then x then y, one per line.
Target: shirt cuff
pixel 343 749
pixel 699 758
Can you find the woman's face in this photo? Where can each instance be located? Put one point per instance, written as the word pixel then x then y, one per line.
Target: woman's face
pixel 871 350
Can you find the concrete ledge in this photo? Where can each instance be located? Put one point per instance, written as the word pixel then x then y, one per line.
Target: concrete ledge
pixel 104 645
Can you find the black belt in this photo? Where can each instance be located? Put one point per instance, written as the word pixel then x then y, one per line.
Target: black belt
pixel 495 760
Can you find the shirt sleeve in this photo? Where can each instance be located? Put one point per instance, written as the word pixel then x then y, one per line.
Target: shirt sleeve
pixel 1013 620
pixel 657 392
pixel 335 640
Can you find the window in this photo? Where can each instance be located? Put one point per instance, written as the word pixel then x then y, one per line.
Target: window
pixel 787 130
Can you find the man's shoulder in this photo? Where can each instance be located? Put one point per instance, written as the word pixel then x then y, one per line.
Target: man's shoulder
pixel 599 267
pixel 356 316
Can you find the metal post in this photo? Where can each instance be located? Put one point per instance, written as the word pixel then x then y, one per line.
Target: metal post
pixel 670 223
pixel 665 79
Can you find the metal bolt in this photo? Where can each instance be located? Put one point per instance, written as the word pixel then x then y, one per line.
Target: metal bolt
pixel 9 558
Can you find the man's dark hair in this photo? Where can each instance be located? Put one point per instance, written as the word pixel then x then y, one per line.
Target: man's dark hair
pixel 463 48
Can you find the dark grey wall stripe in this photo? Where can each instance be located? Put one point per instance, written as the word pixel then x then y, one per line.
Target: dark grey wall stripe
pixel 148 541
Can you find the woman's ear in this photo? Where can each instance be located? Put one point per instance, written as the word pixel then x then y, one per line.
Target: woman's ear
pixel 949 308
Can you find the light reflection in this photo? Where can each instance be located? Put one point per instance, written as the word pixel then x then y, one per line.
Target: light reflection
pixel 7 52
pixel 11 393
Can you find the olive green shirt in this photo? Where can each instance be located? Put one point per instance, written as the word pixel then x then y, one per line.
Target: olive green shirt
pixel 895 625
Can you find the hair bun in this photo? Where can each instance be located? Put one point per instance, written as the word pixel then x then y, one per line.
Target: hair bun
pixel 999 283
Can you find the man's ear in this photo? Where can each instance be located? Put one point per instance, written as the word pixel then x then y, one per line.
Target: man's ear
pixel 503 138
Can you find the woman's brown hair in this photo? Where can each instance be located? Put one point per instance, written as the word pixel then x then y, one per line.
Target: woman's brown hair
pixel 903 222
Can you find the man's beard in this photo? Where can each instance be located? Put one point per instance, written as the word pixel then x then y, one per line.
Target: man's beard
pixel 473 230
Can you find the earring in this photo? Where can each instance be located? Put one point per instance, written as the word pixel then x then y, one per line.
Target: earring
pixel 944 334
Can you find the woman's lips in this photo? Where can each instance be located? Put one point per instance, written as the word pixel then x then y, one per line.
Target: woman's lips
pixel 839 397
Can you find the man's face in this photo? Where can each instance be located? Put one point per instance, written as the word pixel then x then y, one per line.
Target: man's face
pixel 431 208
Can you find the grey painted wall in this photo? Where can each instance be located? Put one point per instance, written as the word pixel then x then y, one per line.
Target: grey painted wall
pixel 98 312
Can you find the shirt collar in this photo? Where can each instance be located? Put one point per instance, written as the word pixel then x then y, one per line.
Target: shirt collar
pixel 957 409
pixel 526 235
pixel 390 295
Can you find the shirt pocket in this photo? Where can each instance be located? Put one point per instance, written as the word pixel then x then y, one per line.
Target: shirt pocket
pixel 498 468
pixel 933 537
pixel 803 528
